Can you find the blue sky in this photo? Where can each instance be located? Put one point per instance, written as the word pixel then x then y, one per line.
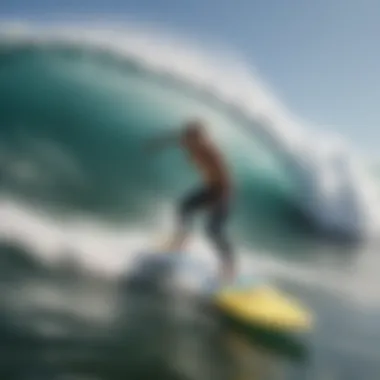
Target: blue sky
pixel 321 57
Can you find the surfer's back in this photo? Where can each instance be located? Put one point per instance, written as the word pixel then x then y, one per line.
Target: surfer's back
pixel 206 156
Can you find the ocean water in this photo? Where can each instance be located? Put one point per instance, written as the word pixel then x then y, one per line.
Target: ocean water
pixel 80 199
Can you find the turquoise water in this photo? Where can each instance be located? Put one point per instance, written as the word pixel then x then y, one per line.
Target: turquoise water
pixel 80 196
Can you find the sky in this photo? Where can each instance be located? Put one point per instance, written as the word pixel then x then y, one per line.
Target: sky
pixel 321 57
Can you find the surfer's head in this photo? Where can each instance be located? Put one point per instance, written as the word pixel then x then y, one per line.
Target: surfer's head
pixel 194 132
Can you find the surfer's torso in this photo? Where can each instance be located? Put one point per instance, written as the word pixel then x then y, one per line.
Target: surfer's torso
pixel 210 164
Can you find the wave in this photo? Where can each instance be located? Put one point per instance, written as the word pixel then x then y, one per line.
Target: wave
pixel 79 101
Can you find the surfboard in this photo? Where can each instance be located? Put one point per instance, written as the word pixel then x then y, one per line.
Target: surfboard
pixel 265 306
pixel 250 300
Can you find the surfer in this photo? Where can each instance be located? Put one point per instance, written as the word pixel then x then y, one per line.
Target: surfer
pixel 213 195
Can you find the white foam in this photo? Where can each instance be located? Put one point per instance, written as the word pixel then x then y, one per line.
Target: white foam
pixel 109 252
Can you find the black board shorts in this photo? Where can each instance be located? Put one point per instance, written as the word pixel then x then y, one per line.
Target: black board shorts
pixel 212 198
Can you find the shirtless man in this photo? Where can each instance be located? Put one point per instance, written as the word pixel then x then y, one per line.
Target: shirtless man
pixel 214 195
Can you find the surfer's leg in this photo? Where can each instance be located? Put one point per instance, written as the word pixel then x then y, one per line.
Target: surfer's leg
pixel 191 203
pixel 216 231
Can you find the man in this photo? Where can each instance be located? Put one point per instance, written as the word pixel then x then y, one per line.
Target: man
pixel 213 195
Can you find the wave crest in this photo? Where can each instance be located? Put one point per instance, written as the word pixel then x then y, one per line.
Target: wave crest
pixel 333 189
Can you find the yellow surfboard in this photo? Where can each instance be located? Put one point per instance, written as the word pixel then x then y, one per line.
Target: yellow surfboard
pixel 264 306
pixel 252 300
